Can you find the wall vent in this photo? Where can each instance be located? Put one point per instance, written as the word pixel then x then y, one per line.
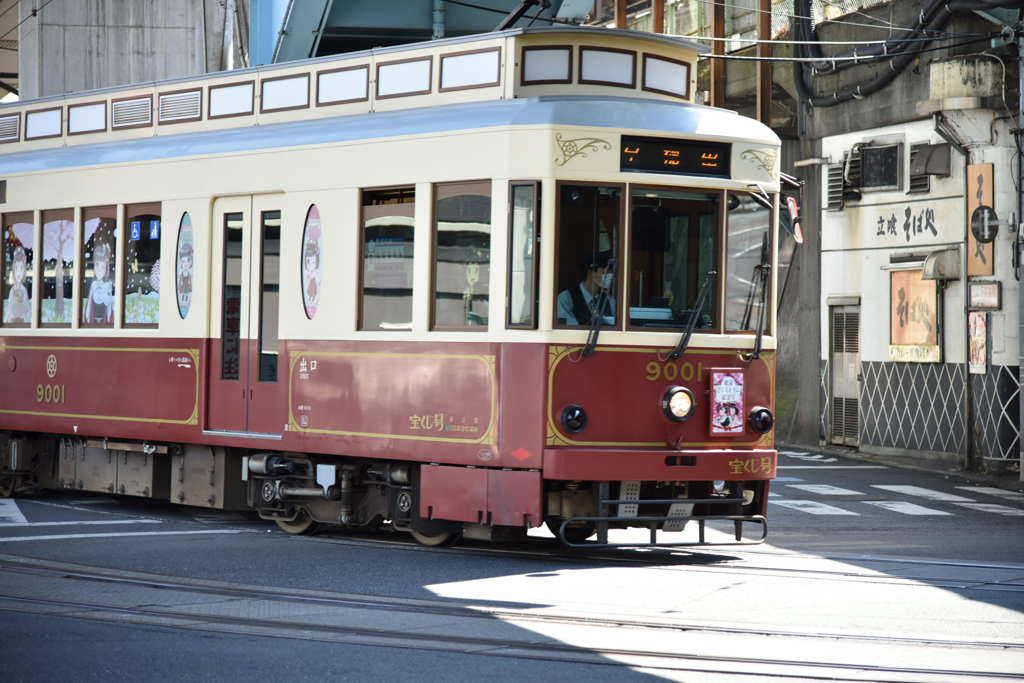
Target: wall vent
pixel 834 199
pixel 920 182
pixel 10 127
pixel 134 112
pixel 181 106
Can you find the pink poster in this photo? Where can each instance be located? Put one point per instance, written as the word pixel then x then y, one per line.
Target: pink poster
pixel 726 402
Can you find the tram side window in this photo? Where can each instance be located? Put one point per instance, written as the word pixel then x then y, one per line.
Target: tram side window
pixel 99 242
pixel 18 270
pixel 142 265
pixel 523 255
pixel 749 225
pixel 387 256
pixel 588 236
pixel 462 254
pixel 58 267
pixel 673 247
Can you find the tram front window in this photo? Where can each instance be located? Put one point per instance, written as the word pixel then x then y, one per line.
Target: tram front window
pixel 749 225
pixel 673 246
pixel 588 239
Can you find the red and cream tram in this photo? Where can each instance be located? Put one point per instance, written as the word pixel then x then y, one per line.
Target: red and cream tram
pixel 458 288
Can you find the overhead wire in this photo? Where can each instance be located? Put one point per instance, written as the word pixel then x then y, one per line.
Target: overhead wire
pixel 34 13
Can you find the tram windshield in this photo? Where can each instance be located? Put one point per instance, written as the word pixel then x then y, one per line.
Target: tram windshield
pixel 750 221
pixel 673 247
pixel 588 242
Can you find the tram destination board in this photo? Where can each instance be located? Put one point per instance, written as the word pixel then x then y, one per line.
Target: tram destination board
pixel 668 155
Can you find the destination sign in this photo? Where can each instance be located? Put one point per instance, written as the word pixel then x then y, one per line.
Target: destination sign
pixel 668 155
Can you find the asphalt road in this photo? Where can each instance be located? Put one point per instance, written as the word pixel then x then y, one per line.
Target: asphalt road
pixel 870 573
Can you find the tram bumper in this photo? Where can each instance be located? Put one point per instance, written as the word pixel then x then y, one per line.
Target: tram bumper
pixel 606 465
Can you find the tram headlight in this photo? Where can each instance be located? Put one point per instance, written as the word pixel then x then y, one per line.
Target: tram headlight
pixel 761 420
pixel 678 404
pixel 574 419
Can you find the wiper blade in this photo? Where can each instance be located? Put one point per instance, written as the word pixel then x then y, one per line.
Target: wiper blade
pixel 692 322
pixel 603 301
pixel 765 268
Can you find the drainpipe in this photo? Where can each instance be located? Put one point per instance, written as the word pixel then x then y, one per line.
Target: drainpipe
pixel 438 19
pixel 949 136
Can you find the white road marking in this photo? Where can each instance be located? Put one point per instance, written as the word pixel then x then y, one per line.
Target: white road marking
pixel 10 512
pixel 999 493
pixel 831 467
pixel 906 508
pixel 923 493
pixel 772 494
pixel 992 507
pixel 108 522
pixel 825 490
pixel 120 535
pixel 809 458
pixel 792 453
pixel 813 507
pixel 787 479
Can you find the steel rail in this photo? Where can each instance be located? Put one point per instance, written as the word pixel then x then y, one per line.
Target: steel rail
pixel 419 606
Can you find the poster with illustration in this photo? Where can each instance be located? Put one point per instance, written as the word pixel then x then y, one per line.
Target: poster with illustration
pixel 312 261
pixel 977 332
pixel 58 267
pixel 185 262
pixel 726 402
pixel 100 238
pixel 19 238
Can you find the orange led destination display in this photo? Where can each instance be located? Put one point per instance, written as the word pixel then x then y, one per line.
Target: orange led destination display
pixel 667 155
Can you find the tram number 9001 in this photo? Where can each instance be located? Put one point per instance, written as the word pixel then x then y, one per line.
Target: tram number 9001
pixel 51 393
pixel 672 372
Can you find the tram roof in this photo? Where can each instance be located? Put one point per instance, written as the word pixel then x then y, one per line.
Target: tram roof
pixel 470 79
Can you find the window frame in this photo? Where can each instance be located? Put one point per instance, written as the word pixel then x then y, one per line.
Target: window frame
pixel 535 274
pixel 130 210
pixel 33 272
pixel 773 219
pixel 40 269
pixel 433 256
pixel 721 231
pixel 86 215
pixel 619 286
pixel 360 255
pixel 262 283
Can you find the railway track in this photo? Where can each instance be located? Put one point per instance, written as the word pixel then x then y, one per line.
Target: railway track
pixel 640 641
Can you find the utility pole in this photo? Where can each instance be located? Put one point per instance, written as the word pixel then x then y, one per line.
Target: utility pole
pixel 764 66
pixel 718 49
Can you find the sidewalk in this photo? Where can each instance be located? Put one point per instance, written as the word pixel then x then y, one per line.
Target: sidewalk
pixel 1011 482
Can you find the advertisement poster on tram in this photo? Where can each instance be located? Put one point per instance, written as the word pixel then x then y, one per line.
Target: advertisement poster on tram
pixel 726 402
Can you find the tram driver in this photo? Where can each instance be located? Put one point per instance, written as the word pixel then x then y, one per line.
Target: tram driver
pixel 577 305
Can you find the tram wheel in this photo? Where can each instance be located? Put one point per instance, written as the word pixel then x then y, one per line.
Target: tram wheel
pixel 303 524
pixel 436 540
pixel 573 534
pixel 8 483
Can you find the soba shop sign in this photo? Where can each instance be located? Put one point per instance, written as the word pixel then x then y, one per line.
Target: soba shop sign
pixel 913 318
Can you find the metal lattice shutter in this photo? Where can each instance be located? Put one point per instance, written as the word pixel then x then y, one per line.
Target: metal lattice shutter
pixel 846 380
pixel 181 106
pixel 136 112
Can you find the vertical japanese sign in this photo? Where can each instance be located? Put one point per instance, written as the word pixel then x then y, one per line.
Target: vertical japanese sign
pixel 914 318
pixel 979 193
pixel 727 402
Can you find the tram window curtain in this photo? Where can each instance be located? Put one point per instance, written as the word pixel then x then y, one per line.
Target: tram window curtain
pixel 674 244
pixel 524 256
pixel 142 265
pixel 749 223
pixel 18 269
pixel 462 255
pixel 58 268
pixel 387 259
pixel 99 266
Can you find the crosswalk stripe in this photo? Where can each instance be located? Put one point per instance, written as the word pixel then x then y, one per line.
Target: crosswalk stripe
pixel 813 507
pixel 906 508
pixel 992 507
pixel 924 493
pixel 999 493
pixel 825 489
pixel 10 512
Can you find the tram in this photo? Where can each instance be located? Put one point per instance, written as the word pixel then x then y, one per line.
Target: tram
pixel 459 289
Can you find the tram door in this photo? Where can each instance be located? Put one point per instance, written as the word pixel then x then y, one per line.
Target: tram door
pixel 245 393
